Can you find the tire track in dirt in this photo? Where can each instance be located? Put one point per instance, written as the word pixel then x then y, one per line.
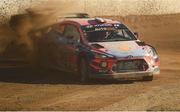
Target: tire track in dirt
pixel 102 96
pixel 151 100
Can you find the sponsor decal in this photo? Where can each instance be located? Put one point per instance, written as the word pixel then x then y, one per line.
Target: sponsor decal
pixel 125 48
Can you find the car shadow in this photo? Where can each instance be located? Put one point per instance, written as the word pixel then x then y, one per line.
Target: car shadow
pixel 29 76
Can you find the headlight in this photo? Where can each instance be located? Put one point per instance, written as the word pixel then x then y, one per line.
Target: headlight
pixel 98 55
pixel 155 55
pixel 101 55
pixel 154 52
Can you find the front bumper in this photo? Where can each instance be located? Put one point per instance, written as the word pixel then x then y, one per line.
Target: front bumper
pixel 127 75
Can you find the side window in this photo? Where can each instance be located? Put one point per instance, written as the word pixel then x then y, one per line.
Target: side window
pixel 126 34
pixel 120 33
pixel 71 32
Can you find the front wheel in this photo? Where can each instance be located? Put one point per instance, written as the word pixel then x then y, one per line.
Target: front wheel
pixel 84 71
pixel 148 78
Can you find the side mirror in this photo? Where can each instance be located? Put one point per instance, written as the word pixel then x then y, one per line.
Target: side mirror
pixel 136 34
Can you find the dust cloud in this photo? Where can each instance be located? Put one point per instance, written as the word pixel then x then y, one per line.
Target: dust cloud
pixel 15 38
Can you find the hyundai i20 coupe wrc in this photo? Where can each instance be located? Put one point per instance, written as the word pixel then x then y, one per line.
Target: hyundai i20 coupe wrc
pixel 97 48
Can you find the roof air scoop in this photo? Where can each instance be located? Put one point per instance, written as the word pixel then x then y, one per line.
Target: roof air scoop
pixel 100 20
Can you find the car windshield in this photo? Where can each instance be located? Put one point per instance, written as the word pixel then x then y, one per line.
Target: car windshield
pixel 108 33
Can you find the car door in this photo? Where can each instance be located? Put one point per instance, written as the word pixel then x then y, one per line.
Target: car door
pixel 72 34
pixel 56 43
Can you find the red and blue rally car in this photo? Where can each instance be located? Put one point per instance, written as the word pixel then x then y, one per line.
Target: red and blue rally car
pixel 97 48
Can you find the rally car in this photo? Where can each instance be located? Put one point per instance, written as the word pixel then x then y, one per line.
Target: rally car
pixel 97 48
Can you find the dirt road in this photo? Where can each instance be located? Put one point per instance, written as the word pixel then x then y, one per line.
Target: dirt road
pixel 52 90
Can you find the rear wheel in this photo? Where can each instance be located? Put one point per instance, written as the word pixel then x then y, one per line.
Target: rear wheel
pixel 148 78
pixel 84 71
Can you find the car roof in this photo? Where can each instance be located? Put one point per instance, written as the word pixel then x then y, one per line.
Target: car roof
pixel 89 21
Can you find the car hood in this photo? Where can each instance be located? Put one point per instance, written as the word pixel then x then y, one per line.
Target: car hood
pixel 121 49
